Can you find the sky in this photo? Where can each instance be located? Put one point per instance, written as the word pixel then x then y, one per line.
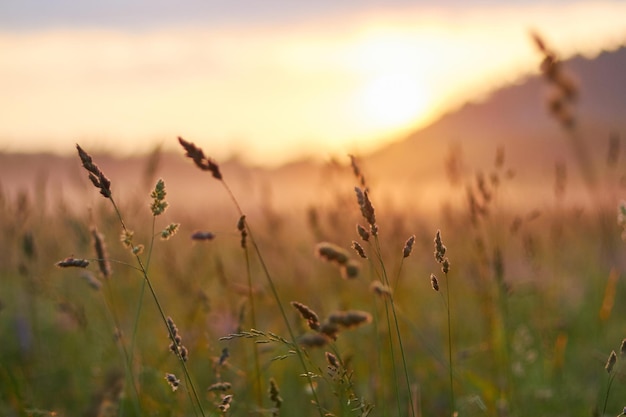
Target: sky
pixel 267 81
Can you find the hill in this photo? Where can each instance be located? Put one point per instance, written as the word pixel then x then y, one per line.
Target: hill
pixel 409 171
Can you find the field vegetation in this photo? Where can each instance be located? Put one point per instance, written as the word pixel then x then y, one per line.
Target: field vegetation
pixel 351 306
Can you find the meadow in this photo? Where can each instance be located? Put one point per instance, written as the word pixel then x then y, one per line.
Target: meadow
pixel 130 306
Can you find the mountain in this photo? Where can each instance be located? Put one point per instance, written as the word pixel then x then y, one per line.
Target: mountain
pixel 517 119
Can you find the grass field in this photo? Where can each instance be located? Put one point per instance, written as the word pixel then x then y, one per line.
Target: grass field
pixel 257 312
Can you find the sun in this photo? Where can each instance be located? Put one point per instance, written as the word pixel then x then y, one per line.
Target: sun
pixel 394 100
pixel 394 91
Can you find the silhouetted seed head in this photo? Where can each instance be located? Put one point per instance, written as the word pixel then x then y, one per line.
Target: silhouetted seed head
pixel 198 157
pixel 332 360
pixel 445 266
pixel 71 262
pixel 440 249
pixel 158 204
pixel 241 226
pixel 622 348
pixel 275 397
pixel 565 89
pixel 356 170
pixel 359 249
pixel 610 363
pixel 311 340
pixel 367 210
pixel 101 253
pixel 350 269
pixel 241 223
pixel 308 314
pixel 97 178
pixel 331 253
pixel 408 246
pixel 202 236
pixel 434 282
pixel 172 381
pixel 380 289
pixel 538 41
pixel 219 386
pixel 225 404
pixel 365 235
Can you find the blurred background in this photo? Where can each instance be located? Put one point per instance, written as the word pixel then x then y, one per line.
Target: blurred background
pixel 268 81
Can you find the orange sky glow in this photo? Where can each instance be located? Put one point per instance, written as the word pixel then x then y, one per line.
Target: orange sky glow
pixel 271 94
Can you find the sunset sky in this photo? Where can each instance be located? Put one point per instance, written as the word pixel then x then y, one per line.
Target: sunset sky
pixel 267 80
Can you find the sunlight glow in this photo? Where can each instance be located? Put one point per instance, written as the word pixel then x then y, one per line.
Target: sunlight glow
pixel 330 86
pixel 394 100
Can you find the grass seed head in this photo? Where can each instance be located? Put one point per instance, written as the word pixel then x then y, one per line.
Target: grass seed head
pixel 367 209
pixel 351 318
pixel 440 249
pixel 331 253
pixel 224 356
pixel 71 262
pixel 225 404
pixel 158 205
pixel 97 178
pixel 198 157
pixel 219 386
pixel 308 314
pixel 434 282
pixel 311 340
pixel 365 235
pixel 332 360
pixel 101 253
pixel 350 270
pixel 169 231
pixel 172 381
pixel 93 282
pixel 202 236
pixel 275 397
pixel 357 171
pixel 381 289
pixel 359 249
pixel 241 226
pixel 610 363
pixel 177 342
pixel 408 246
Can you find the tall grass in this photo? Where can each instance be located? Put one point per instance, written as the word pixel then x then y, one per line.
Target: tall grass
pixel 241 319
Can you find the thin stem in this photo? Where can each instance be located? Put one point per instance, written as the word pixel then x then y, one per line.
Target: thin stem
pixel 270 282
pixel 127 358
pixel 257 366
pixel 144 272
pixel 450 369
pixel 606 397
pixel 397 326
